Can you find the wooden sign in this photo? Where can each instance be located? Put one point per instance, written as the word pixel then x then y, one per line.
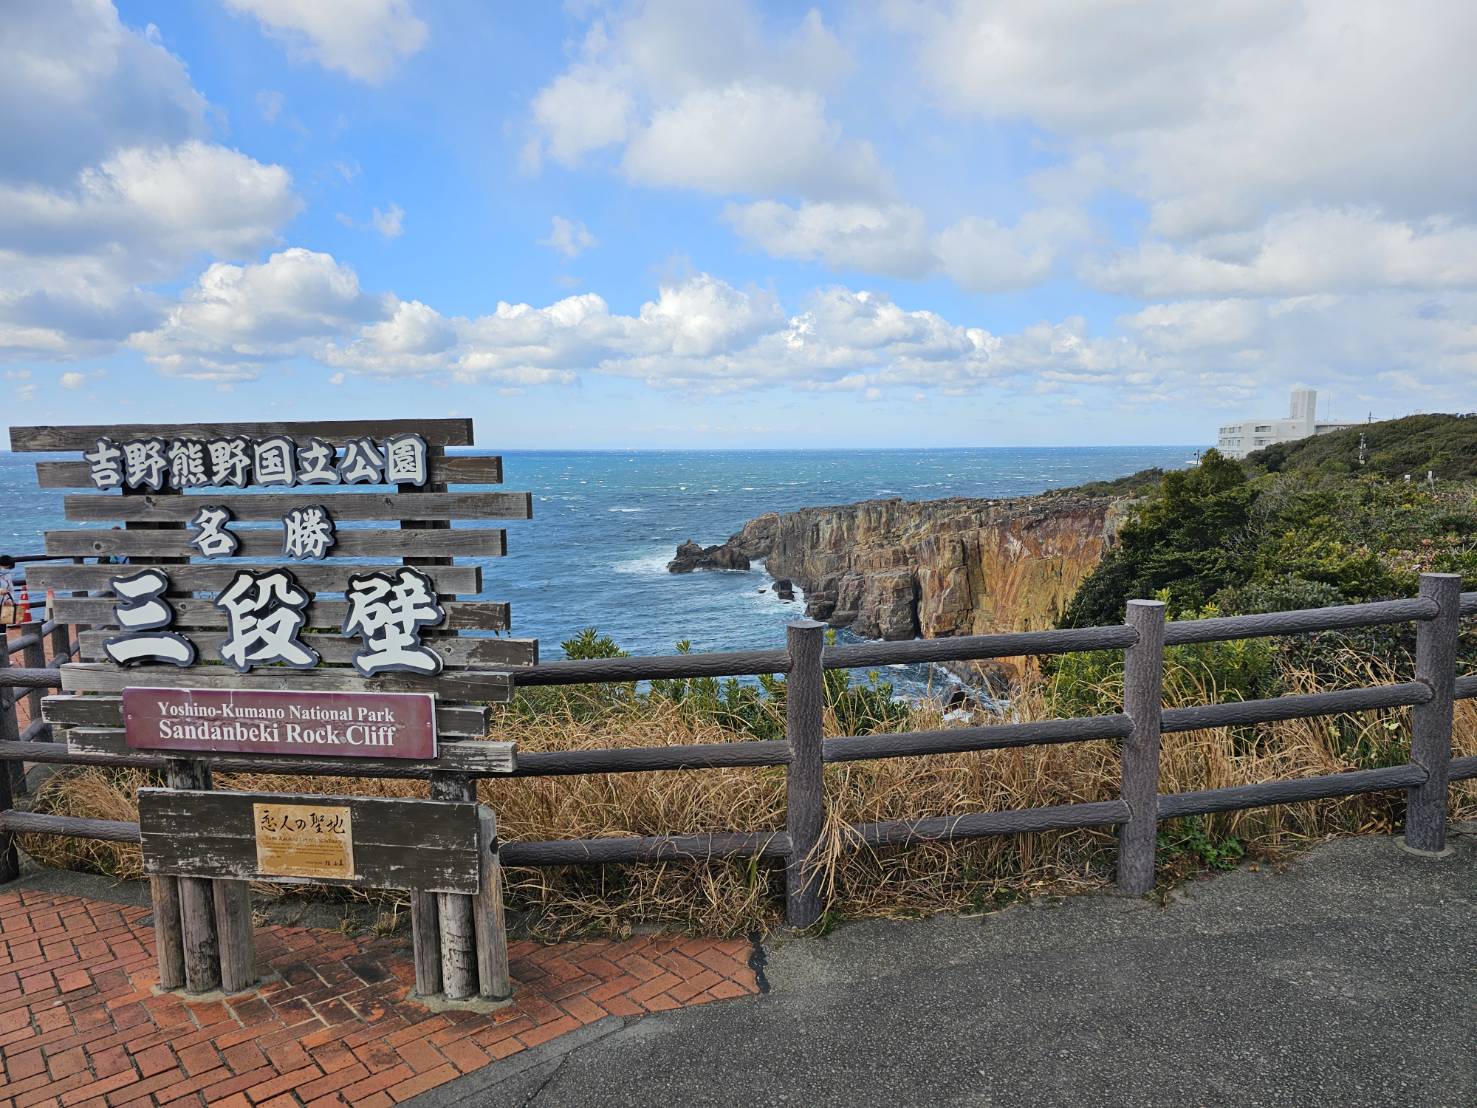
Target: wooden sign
pixel 417 845
pixel 296 722
pixel 383 606
pixel 304 840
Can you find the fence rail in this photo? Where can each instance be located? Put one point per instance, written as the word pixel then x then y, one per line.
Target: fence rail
pixel 805 750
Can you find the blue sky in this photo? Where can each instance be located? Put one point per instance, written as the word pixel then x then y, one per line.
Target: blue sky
pixel 671 224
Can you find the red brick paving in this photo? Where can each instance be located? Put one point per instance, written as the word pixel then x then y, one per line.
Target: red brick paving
pixel 80 1024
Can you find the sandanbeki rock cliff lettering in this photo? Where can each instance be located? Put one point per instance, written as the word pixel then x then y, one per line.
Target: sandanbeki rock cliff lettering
pixel 898 569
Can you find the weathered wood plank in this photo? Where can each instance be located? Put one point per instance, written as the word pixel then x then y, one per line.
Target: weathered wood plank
pixel 1143 703
pixel 438 432
pixel 805 801
pixel 168 942
pixel 467 757
pixel 212 577
pixel 979 825
pixel 424 845
pixel 456 757
pixel 199 938
pixel 1237 797
pixel 235 934
pixel 648 848
pixel 103 677
pixel 454 912
pixel 456 652
pixel 266 543
pixel 452 720
pixel 452 470
pixel 1437 646
pixel 425 939
pixel 98 611
pixel 41 823
pixel 272 506
pixel 493 981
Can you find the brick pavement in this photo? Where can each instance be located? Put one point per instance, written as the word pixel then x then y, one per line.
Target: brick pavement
pixel 80 1023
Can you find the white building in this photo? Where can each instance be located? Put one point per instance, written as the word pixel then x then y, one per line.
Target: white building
pixel 1237 440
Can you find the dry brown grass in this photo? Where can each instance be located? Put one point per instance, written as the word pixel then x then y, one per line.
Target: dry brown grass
pixel 735 896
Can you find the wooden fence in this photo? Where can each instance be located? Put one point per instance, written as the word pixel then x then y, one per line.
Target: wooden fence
pixel 805 750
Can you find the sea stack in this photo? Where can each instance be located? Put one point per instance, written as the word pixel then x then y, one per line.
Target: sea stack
pixel 691 556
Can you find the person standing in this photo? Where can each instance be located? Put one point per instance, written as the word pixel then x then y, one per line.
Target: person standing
pixel 9 609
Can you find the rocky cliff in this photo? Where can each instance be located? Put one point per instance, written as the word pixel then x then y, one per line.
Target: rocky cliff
pixel 897 569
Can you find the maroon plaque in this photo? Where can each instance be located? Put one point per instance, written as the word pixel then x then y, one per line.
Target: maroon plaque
pixel 263 721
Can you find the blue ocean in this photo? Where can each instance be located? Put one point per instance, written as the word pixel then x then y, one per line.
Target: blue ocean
pixel 606 524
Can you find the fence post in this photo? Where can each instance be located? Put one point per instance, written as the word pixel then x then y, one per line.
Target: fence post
pixel 198 938
pixel 10 867
pixel 1143 702
pixel 1431 722
pixel 454 910
pixel 805 705
pixel 34 657
pixel 493 981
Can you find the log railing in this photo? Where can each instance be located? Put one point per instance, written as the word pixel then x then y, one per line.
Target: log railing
pixel 805 750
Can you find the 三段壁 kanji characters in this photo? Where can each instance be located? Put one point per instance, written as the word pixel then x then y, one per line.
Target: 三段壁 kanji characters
pixel 143 614
pixel 264 615
pixel 388 611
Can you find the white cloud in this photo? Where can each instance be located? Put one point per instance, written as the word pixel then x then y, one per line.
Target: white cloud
pixel 702 334
pixel 236 318
pixel 707 96
pixel 750 138
pixel 72 380
pixel 582 110
pixel 979 254
pixel 1197 325
pixel 682 46
pixel 160 205
pixel 73 262
pixel 569 237
pixel 75 85
pixel 106 183
pixel 1212 113
pixel 366 39
pixel 389 222
pixel 891 239
pixel 983 256
pixel 1300 252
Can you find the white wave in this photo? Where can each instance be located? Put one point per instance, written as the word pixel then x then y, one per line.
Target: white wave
pixel 625 509
pixel 646 564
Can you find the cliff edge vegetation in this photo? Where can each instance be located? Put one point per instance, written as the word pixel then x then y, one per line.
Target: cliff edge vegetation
pixel 1294 529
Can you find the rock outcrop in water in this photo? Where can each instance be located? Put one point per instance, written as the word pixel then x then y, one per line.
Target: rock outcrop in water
pixel 691 556
pixel 897 569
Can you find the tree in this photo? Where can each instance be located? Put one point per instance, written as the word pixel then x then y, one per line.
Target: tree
pixel 1189 539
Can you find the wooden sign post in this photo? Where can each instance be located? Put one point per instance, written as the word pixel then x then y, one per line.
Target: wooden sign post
pixel 433 847
pixel 286 597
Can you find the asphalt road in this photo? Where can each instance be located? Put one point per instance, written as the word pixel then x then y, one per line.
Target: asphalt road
pixel 1348 976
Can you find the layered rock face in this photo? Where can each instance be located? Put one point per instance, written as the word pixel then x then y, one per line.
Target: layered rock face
pixel 896 569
